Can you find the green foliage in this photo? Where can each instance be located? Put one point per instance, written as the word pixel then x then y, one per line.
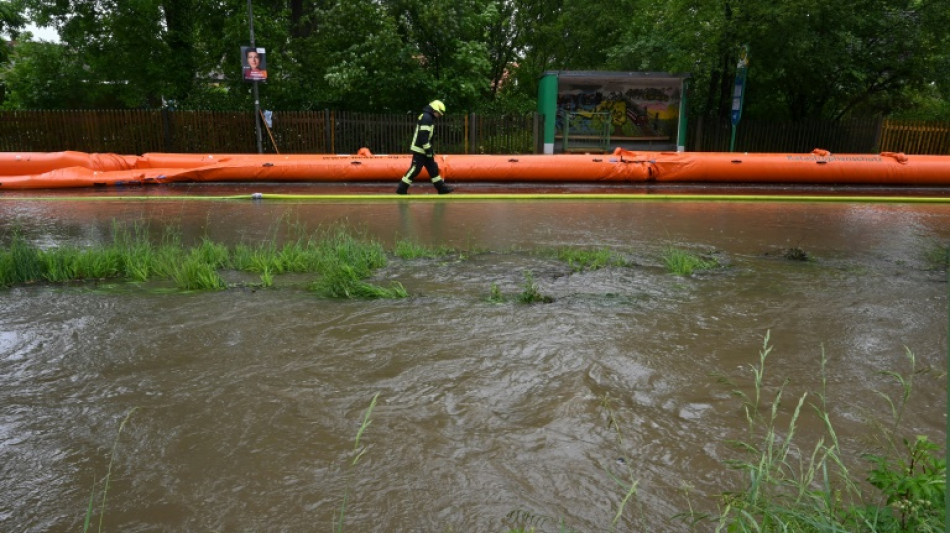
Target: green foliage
pixel 408 249
pixel 809 59
pixel 937 257
pixel 913 486
pixel 196 274
pixel 344 258
pixel 494 294
pixel 531 293
pixel 589 259
pixel 215 255
pixel 20 263
pixel 59 265
pixel 344 281
pixel 12 20
pixel 685 263
pixel 267 278
pixel 46 76
pixel 786 488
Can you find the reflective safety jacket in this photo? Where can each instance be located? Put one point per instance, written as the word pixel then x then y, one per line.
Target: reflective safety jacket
pixel 425 132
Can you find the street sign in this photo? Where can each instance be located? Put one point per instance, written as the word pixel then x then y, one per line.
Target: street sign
pixel 737 95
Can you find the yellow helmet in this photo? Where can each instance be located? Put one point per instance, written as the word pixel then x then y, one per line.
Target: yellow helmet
pixel 438 106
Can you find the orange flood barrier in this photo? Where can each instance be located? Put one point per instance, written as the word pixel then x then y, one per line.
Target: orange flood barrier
pixel 41 170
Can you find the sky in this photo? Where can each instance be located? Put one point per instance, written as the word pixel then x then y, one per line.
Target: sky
pixel 43 34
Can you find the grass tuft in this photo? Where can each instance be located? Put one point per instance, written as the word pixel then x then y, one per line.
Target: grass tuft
pixel 531 293
pixel 684 263
pixel 937 257
pixel 195 274
pixel 494 294
pixel 581 259
pixel 343 258
pixel 344 281
pixel 20 263
pixel 408 249
pixel 796 253
pixel 787 488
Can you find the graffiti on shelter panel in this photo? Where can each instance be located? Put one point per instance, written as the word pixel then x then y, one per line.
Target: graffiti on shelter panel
pixel 645 109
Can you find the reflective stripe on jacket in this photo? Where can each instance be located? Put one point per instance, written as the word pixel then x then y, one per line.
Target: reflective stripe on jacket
pixel 425 132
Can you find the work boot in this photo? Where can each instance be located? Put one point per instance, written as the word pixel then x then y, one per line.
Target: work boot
pixel 442 188
pixel 403 188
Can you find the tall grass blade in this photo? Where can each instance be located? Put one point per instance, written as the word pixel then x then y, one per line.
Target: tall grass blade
pixel 367 420
pixel 105 487
pixel 89 508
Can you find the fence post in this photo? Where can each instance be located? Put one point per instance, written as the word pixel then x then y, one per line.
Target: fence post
pixel 472 134
pixel 327 137
pixel 879 134
pixel 698 135
pixel 538 120
pixel 167 134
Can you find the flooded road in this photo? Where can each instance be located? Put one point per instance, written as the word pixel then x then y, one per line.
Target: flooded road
pixel 247 401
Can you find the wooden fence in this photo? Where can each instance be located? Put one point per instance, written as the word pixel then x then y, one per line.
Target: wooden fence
pixel 326 131
pixel 138 131
pixel 915 137
pixel 869 135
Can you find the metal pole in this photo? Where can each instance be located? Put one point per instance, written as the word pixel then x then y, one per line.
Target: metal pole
pixel 257 99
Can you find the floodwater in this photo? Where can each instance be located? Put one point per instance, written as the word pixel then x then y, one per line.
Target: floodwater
pixel 245 403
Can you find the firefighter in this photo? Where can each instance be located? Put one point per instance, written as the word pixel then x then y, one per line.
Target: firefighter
pixel 423 156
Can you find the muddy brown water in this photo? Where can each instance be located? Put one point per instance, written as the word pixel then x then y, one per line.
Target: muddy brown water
pixel 248 401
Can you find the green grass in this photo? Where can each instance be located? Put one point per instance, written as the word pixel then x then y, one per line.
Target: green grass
pixel 788 488
pixel 344 281
pixel 581 259
pixel 20 263
pixel 531 293
pixel 409 249
pixel 345 261
pixel 937 257
pixel 685 263
pixel 196 274
pixel 494 294
pixel 342 258
pixel 796 253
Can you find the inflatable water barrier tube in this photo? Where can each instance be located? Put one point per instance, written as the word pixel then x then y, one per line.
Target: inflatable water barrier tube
pixel 56 170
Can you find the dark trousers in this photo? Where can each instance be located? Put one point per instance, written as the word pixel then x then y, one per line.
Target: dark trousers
pixel 420 161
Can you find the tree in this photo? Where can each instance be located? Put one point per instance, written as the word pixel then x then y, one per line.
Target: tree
pixel 807 59
pixel 44 76
pixel 867 57
pixel 566 35
pixel 449 40
pixel 12 22
pixel 149 53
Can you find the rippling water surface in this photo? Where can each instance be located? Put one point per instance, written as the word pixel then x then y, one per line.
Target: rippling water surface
pixel 248 401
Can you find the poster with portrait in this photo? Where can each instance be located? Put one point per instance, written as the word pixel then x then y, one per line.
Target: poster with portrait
pixel 254 63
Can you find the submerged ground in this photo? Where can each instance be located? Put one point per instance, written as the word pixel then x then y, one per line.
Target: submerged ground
pixel 248 400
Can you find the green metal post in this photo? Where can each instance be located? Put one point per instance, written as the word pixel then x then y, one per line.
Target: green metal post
pixel 547 107
pixel 681 130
